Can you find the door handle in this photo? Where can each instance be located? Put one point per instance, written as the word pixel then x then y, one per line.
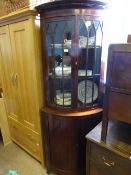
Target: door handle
pixel 14 78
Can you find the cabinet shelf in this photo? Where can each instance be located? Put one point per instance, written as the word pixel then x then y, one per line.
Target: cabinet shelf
pixel 60 77
pixel 60 46
pixel 89 76
pixel 69 77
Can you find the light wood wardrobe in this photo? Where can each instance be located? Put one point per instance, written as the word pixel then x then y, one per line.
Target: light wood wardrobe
pixel 20 68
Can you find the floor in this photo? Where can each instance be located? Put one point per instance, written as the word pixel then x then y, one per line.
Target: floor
pixel 14 158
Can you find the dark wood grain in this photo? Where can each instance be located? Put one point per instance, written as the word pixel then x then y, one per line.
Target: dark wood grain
pixel 93 111
pixel 96 169
pixel 112 156
pixel 62 4
pixel 119 106
pixel 65 143
pixel 92 14
pixel 115 162
pixel 118 137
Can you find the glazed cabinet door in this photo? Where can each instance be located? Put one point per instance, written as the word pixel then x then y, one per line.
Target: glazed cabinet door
pixel 73 59
pixel 7 73
pixel 59 35
pixel 25 78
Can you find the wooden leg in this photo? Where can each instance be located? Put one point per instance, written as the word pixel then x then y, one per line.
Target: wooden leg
pixel 104 128
pixel 88 151
pixel 105 116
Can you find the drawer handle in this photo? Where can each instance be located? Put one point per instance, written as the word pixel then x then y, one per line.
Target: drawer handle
pixel 109 164
pixel 14 78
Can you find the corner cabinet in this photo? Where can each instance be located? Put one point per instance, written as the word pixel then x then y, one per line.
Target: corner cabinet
pixel 20 64
pixel 71 42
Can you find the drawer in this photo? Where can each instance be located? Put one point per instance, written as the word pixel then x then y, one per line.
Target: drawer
pixel 119 106
pixel 110 160
pixel 96 169
pixel 26 138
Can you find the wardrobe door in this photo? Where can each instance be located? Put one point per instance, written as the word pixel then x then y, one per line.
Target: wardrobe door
pixel 23 50
pixel 7 73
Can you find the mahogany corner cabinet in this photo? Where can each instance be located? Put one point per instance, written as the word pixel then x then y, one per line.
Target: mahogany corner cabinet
pixel 71 35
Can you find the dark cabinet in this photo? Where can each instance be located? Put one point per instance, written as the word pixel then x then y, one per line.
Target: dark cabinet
pixel 65 142
pixel 71 34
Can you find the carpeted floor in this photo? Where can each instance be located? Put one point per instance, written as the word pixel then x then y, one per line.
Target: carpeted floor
pixel 13 157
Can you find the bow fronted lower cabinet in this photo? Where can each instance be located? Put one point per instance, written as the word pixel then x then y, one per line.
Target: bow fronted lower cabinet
pixel 71 35
pixel 20 67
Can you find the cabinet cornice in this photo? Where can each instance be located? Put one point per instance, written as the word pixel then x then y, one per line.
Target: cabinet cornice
pixel 17 16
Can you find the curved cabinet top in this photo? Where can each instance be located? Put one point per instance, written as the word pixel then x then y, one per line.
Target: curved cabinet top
pixel 66 4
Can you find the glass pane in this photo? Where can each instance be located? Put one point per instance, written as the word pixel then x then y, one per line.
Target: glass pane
pixel 98 47
pixel 59 42
pixel 86 50
pixel 89 61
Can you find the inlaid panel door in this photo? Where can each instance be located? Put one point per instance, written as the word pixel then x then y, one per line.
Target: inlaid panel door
pixel 23 51
pixel 6 71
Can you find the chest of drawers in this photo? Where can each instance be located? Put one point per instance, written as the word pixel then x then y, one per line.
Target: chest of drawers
pixel 113 156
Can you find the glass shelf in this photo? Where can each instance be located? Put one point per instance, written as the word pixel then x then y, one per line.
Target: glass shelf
pixel 60 77
pixel 65 46
pixel 69 77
